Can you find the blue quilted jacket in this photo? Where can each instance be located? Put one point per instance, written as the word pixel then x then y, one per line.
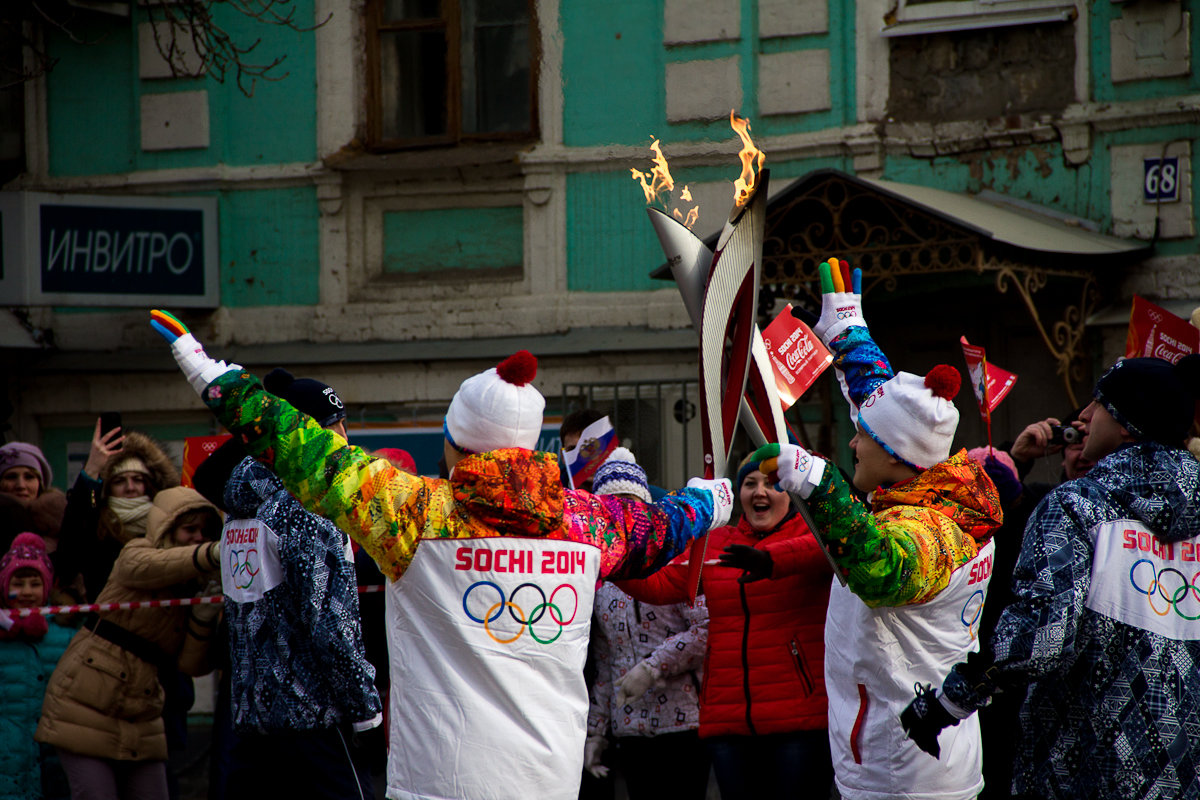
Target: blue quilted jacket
pixel 1106 626
pixel 297 653
pixel 25 668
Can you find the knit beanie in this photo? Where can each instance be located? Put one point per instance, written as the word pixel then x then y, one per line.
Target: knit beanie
pixel 310 396
pixel 498 408
pixel 128 464
pixel 913 417
pixel 621 474
pixel 745 467
pixel 23 454
pixel 27 550
pixel 1151 398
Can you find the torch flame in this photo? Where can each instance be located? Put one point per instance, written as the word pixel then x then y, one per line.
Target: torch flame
pixel 744 186
pixel 691 218
pixel 659 181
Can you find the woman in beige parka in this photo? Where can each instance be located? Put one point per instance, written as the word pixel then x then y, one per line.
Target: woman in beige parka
pixel 104 703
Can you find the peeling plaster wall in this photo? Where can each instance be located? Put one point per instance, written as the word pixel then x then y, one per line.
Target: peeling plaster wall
pixel 982 74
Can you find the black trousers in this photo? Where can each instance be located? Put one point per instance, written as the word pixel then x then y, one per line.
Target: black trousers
pixel 323 764
pixel 674 765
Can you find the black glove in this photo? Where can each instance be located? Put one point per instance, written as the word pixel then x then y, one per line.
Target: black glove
pixel 924 719
pixel 757 564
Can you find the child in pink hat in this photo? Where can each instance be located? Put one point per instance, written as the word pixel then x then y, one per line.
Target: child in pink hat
pixel 30 647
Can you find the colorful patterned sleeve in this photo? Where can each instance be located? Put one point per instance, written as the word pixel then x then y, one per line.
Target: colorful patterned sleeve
pixel 902 556
pixel 862 366
pixel 637 539
pixel 378 506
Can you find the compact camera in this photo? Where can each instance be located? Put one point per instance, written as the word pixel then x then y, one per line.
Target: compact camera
pixel 1065 435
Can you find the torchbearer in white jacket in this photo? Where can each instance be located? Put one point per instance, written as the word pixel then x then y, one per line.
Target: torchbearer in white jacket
pixel 916 560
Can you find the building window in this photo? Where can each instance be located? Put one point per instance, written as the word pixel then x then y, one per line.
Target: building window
pixel 449 71
pixel 909 17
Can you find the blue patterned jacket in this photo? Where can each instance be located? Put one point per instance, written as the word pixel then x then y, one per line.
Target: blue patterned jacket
pixel 1105 626
pixel 297 651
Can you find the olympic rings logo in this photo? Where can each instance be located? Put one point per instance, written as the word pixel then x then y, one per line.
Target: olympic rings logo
pixel 975 609
pixel 239 567
pixel 1157 586
pixel 849 312
pixel 546 607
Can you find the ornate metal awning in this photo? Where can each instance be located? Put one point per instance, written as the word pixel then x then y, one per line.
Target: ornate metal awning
pixel 896 230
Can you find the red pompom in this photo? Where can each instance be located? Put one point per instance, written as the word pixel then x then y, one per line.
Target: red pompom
pixel 944 381
pixel 519 368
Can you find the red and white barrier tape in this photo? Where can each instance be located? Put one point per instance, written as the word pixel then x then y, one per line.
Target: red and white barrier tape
pixel 174 602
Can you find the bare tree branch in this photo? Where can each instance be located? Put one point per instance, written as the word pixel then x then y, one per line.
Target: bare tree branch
pixel 186 35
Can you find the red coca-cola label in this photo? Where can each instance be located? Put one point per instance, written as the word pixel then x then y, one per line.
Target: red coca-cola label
pixel 1155 332
pixel 797 355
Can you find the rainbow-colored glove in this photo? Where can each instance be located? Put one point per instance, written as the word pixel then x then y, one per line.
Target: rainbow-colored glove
pixel 793 468
pixel 841 299
pixel 198 368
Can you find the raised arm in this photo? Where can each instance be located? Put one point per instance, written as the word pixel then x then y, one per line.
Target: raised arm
pixel 380 507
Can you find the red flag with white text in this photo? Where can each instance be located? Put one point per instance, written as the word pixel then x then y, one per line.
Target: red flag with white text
pixel 990 383
pixel 1155 332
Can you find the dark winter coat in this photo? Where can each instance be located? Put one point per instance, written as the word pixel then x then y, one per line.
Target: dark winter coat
pixel 296 652
pixel 1105 625
pixel 91 536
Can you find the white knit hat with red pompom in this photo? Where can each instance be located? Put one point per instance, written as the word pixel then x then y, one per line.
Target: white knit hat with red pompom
pixel 913 416
pixel 498 408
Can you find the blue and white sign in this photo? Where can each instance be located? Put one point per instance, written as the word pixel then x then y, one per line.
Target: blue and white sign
pixel 1160 180
pixel 108 251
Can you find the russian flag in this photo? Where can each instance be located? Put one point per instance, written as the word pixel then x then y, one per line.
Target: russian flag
pixel 596 443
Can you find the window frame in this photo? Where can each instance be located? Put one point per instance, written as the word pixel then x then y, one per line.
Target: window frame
pixel 945 16
pixel 451 23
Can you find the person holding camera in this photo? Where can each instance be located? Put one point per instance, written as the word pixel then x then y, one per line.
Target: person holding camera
pixel 1047 437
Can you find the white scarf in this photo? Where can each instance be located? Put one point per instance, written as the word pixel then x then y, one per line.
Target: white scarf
pixel 131 511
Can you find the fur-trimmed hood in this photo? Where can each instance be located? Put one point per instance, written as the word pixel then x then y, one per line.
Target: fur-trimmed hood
pixel 169 505
pixel 163 474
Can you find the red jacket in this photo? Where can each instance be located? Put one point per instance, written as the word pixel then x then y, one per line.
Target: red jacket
pixel 764 670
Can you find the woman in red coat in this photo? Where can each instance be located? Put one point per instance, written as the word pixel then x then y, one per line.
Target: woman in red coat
pixel 763 710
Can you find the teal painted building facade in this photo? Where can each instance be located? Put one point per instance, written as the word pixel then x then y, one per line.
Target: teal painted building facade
pixel 394 270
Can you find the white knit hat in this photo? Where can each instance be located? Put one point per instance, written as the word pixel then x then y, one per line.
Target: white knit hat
pixel 497 408
pixel 621 474
pixel 913 417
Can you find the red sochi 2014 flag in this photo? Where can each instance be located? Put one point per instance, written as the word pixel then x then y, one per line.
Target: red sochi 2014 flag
pixel 1155 332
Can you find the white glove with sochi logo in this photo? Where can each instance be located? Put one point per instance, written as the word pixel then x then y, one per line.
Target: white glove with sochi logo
pixel 796 470
pixel 721 490
pixel 841 300
pixel 198 368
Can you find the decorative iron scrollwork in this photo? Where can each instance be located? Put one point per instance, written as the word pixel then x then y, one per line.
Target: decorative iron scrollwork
pixel 892 239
